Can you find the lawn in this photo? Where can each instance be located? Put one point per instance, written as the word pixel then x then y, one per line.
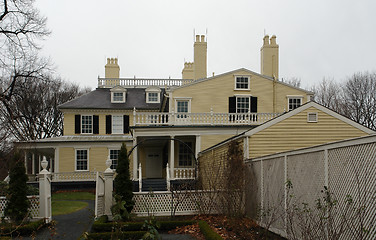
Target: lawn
pixel 68 202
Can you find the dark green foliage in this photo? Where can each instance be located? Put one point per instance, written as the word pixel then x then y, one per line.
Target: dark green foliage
pixel 102 219
pixel 111 235
pixel 122 183
pixel 100 226
pixel 208 232
pixel 151 225
pixel 18 204
pixel 3 188
pixel 24 230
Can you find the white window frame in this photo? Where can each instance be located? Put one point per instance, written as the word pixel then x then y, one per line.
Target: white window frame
pixel 242 76
pixel 92 119
pixel 87 159
pixel 293 97
pixel 249 102
pixel 316 117
pixel 190 154
pixel 153 90
pixel 118 89
pixel 109 154
pixel 189 100
pixel 122 124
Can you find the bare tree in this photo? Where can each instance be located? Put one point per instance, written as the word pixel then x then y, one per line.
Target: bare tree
pixel 329 94
pixel 293 81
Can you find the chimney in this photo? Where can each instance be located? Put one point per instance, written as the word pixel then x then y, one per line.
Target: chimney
pixel 188 70
pixel 200 52
pixel 111 69
pixel 270 57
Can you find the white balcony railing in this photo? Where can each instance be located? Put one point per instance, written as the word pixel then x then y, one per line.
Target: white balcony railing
pixel 132 82
pixel 184 173
pixel 144 119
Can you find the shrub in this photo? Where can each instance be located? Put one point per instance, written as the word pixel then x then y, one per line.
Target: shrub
pixel 208 232
pixel 18 204
pixel 122 183
pixel 99 226
pixel 23 230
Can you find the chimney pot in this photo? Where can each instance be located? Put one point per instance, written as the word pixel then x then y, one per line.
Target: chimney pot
pixel 197 38
pixel 202 38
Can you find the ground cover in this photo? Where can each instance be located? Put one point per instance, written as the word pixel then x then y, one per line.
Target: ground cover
pixel 65 207
pixel 73 195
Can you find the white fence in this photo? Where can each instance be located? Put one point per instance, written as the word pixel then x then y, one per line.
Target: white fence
pixel 33 209
pixel 347 168
pixel 133 82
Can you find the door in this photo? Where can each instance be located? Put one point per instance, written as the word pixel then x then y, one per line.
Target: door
pixel 154 163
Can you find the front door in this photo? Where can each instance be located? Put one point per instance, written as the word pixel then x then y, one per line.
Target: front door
pixel 154 163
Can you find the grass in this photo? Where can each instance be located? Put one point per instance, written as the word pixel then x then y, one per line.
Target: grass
pixel 66 202
pixel 73 196
pixel 66 207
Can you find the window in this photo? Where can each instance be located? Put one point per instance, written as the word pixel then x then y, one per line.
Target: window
pixel 117 124
pixel 118 97
pixel 152 97
pixel 185 154
pixel 241 83
pixel 118 94
pixel 114 154
pixel 242 104
pixel 82 160
pixel 294 102
pixel 86 124
pixel 182 106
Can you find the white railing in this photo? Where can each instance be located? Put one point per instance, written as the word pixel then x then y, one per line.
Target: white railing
pixel 184 173
pixel 140 82
pixel 142 118
pixel 139 177
pixel 73 176
pixel 168 180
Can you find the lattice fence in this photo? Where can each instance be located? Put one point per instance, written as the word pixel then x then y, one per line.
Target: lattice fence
pixel 347 168
pixel 33 210
pixel 184 203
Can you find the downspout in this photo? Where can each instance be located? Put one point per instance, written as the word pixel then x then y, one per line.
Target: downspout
pixel 274 93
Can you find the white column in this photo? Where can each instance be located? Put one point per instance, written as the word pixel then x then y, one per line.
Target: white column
pixel 26 162
pixel 56 160
pixel 172 157
pixel 33 163
pixel 39 162
pixel 198 145
pixel 134 154
pixel 246 147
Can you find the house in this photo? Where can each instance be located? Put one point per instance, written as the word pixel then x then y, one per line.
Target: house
pixel 164 123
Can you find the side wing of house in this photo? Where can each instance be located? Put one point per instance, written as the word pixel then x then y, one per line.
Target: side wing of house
pixel 309 125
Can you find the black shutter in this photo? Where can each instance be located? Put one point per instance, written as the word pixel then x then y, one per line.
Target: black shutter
pixel 126 124
pixel 95 124
pixel 254 104
pixel 108 124
pixel 232 104
pixel 77 124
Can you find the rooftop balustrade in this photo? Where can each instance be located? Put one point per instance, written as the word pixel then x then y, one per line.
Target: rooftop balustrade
pixel 140 82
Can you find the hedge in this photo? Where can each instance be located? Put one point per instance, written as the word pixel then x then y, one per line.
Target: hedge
pixel 101 226
pixel 208 232
pixel 23 230
pixel 123 235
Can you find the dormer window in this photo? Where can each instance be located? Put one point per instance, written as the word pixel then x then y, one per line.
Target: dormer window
pixel 153 95
pixel 118 94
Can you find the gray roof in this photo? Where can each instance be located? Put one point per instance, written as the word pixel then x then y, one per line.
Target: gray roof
pixel 100 98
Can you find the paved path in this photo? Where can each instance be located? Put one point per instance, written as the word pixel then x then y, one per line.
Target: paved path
pixel 69 226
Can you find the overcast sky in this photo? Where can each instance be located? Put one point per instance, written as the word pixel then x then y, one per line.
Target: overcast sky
pixel 152 38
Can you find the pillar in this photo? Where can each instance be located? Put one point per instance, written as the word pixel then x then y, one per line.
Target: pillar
pixel 45 192
pixel 134 154
pixel 33 163
pixel 56 160
pixel 172 157
pixel 108 188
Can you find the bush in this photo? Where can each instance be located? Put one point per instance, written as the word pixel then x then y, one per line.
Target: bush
pixel 208 232
pixel 24 230
pixel 18 204
pixel 123 235
pixel 3 188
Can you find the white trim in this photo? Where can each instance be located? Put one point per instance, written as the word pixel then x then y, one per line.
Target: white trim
pixel 75 159
pixel 114 101
pixel 109 154
pixel 118 89
pixel 249 103
pixel 56 159
pixel 242 89
pixel 189 100
pixel 294 97
pixel 153 89
pixel 178 157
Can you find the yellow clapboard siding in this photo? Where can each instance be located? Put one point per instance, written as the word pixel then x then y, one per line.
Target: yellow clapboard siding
pixel 214 93
pixel 210 140
pixel 295 132
pixel 66 159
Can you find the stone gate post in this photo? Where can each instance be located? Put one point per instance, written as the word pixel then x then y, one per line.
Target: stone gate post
pixel 45 192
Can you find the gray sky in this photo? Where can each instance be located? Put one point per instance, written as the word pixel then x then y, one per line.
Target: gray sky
pixel 152 38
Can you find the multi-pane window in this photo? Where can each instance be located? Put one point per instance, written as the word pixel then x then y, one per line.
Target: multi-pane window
pixel 294 103
pixel 242 83
pixel 153 97
pixel 242 104
pixel 118 97
pixel 117 124
pixel 82 160
pixel 182 107
pixel 86 124
pixel 114 154
pixel 185 154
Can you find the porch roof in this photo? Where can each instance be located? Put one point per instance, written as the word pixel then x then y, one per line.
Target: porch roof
pixel 100 138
